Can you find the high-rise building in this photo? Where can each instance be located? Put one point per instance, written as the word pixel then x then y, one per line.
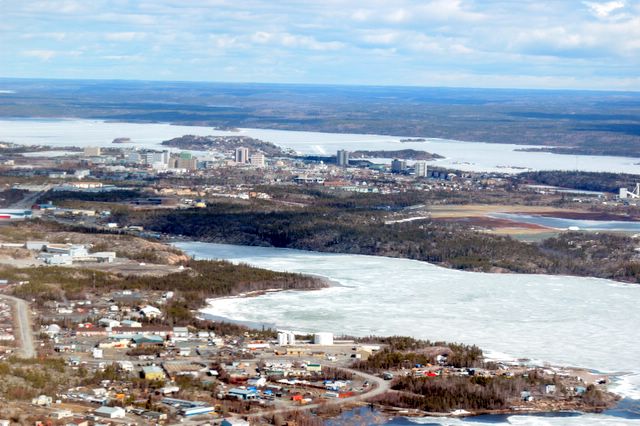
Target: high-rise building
pixel 342 158
pixel 242 155
pixel 92 151
pixel 133 157
pixel 420 169
pixel 156 157
pixel 186 163
pixel 257 160
pixel 398 166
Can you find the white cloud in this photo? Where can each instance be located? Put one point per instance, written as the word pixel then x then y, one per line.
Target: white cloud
pixel 603 10
pixel 43 55
pixel 124 36
pixel 384 38
pixel 294 41
pixel 58 36
pixel 128 58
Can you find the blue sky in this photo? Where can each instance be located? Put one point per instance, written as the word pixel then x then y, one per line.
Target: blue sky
pixel 466 43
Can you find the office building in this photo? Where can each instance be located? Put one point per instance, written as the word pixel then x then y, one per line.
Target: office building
pixel 92 151
pixel 420 169
pixel 257 160
pixel 342 158
pixel 156 157
pixel 242 155
pixel 398 166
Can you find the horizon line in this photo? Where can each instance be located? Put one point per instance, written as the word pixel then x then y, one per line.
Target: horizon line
pixel 361 85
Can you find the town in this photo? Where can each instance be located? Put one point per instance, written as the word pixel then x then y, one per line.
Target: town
pixel 96 296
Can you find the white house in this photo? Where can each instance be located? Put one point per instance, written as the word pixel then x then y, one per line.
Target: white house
pixel 150 312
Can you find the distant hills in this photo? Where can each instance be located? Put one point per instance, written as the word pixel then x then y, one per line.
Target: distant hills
pixel 570 122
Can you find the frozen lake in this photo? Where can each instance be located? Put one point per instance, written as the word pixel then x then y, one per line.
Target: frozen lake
pixel 468 156
pixel 561 223
pixel 584 322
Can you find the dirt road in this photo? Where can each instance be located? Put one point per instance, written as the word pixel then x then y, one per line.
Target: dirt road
pixel 23 329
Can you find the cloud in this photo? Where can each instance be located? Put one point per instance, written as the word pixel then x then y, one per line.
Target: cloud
pixel 603 10
pixel 335 41
pixel 58 36
pixel 43 55
pixel 124 36
pixel 128 58
pixel 294 41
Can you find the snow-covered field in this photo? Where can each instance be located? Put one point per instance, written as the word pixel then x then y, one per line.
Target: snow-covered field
pixel 469 156
pixel 582 322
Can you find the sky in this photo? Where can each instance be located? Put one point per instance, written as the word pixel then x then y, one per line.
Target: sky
pixel 571 44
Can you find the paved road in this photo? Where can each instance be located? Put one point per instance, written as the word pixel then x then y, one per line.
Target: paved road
pixel 378 386
pixel 23 329
pixel 29 199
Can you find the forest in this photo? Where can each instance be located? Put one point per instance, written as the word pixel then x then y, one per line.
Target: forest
pixel 199 281
pixel 587 181
pixel 354 227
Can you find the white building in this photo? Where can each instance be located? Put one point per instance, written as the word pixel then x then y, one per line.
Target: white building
pixel 150 312
pixel 420 168
pixel 325 339
pixel 81 174
pixel 92 151
pixel 257 160
pixel 108 322
pixel 110 412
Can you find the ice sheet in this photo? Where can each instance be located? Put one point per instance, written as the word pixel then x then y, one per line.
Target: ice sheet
pixel 583 322
pixel 468 156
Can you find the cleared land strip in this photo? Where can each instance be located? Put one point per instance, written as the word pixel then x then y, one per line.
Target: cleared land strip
pixel 23 331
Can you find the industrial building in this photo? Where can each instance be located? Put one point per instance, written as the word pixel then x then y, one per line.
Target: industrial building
pixel 324 339
pixel 110 412
pixel 152 372
pixel 15 214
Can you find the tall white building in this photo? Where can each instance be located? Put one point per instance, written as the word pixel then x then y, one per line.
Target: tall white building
pixel 152 158
pixel 421 168
pixel 242 155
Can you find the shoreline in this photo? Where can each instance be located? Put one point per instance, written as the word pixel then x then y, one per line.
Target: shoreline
pixel 585 374
pixel 171 240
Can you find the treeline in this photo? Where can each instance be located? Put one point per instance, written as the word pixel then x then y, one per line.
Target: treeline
pixel 202 280
pixel 10 196
pixel 104 197
pixel 350 225
pixel 457 355
pixel 445 394
pixel 587 181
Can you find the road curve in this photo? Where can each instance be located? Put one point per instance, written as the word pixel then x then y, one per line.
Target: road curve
pixel 23 330
pixel 378 387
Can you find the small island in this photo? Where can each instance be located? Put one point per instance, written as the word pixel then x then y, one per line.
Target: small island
pixel 224 143
pixel 121 140
pixel 402 154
